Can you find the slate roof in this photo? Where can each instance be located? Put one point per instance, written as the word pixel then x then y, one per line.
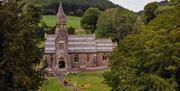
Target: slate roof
pixel 50 43
pixel 77 43
pixel 104 45
pixel 81 44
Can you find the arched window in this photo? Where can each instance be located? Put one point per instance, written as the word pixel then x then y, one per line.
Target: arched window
pixel 104 57
pixel 51 61
pixel 76 58
pixel 87 57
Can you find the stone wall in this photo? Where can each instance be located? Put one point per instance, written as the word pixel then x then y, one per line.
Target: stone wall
pixel 84 60
pixel 88 60
pixel 100 60
pixel 50 58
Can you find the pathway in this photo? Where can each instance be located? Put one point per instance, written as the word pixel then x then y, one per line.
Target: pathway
pixel 60 76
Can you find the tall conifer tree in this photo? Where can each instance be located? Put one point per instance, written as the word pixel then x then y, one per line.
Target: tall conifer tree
pixel 19 53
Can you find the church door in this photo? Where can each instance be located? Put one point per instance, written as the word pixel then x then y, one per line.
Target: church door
pixel 61 63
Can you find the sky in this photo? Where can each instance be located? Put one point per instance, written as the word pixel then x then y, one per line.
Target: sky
pixel 134 5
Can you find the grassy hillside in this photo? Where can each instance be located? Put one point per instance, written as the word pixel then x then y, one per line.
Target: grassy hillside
pixel 71 7
pixel 71 21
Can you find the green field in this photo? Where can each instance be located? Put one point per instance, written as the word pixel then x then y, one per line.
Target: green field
pixel 88 81
pixel 71 21
pixel 53 85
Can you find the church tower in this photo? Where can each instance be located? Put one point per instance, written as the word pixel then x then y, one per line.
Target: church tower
pixel 60 18
pixel 61 42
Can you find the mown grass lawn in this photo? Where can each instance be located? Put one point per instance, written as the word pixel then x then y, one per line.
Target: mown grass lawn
pixel 71 21
pixel 53 85
pixel 91 81
pixel 88 81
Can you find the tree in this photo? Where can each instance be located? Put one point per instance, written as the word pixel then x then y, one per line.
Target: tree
pixel 40 31
pixel 71 30
pixel 148 60
pixel 79 12
pixel 37 16
pixel 72 7
pixel 138 25
pixel 89 19
pixel 164 9
pixel 20 53
pixel 149 12
pixel 115 23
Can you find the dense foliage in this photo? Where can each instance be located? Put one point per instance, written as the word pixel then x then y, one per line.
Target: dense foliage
pixel 150 59
pixel 90 18
pixel 161 3
pixel 19 54
pixel 153 9
pixel 71 30
pixel 149 12
pixel 115 23
pixel 71 7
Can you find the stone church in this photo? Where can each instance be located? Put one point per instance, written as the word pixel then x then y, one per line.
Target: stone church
pixel 63 51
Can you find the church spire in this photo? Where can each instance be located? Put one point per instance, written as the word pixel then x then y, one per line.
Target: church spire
pixel 61 17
